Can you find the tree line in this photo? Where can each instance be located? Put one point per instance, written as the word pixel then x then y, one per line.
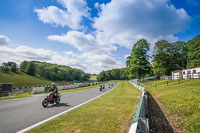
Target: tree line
pixel 166 57
pixel 47 70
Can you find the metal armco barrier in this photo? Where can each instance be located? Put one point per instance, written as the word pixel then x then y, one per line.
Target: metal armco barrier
pixel 140 123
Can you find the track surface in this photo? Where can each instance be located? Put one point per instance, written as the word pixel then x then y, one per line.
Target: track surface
pixel 17 114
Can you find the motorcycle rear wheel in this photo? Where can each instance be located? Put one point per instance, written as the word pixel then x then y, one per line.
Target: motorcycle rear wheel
pixel 45 103
pixel 57 100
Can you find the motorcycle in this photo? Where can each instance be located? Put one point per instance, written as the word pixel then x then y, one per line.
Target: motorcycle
pixel 100 88
pixel 51 99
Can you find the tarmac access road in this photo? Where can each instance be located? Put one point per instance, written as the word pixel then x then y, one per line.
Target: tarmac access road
pixel 18 114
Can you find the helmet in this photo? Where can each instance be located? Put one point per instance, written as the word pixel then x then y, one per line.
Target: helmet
pixel 53 85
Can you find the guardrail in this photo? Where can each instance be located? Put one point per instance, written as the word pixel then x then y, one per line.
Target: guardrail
pixel 140 123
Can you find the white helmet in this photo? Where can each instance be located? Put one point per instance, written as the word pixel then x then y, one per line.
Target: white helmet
pixel 53 85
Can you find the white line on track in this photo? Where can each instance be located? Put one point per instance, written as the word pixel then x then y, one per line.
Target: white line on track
pixel 53 117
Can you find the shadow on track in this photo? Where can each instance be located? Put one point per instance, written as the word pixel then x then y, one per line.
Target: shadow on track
pixel 59 105
pixel 158 123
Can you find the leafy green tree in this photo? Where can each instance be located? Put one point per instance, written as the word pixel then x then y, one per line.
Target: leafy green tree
pixel 13 67
pixel 163 57
pixel 128 60
pixel 30 69
pixel 115 74
pixel 101 76
pixel 41 70
pixel 108 75
pixel 139 61
pixel 124 73
pixel 85 76
pixel 23 66
pixel 169 57
pixel 5 68
pixel 194 52
pixel 180 50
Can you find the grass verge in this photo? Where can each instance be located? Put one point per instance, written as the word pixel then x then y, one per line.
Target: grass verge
pixel 25 94
pixel 182 100
pixel 110 113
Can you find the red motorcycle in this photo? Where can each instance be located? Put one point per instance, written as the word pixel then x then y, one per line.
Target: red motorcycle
pixel 51 99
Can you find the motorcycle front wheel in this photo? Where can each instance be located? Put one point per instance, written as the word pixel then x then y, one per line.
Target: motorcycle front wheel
pixel 45 103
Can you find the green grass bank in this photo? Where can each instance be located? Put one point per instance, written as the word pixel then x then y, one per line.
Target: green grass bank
pixel 181 99
pixel 22 80
pixel 110 113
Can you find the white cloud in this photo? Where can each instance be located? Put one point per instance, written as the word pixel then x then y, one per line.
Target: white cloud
pixel 84 42
pixel 4 40
pixel 95 52
pixel 102 61
pixel 125 22
pixel 22 53
pixel 71 15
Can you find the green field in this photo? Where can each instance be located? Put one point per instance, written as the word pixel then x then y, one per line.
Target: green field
pixel 93 77
pixel 111 113
pixel 182 100
pixel 22 80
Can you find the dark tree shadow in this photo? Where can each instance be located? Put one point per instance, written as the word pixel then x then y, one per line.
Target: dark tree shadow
pixel 158 123
pixel 59 105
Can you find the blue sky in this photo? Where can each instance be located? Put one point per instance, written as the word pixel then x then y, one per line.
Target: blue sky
pixel 92 35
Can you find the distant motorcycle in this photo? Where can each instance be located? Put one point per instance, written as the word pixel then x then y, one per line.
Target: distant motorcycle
pixel 100 88
pixel 51 99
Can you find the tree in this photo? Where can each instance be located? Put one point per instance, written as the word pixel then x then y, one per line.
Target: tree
pixel 41 70
pixel 139 64
pixel 180 50
pixel 169 57
pixel 128 59
pixel 85 76
pixel 23 66
pixel 101 76
pixel 30 69
pixel 115 74
pixel 5 68
pixel 163 57
pixel 13 67
pixel 124 73
pixel 194 52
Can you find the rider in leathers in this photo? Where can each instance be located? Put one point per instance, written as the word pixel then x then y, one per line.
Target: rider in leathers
pixel 54 89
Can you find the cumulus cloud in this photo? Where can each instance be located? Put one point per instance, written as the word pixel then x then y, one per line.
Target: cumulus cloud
pixel 102 61
pixel 84 42
pixel 95 51
pixel 125 22
pixel 4 40
pixel 22 53
pixel 71 15
pixel 118 23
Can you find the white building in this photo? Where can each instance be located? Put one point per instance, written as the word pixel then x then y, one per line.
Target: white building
pixel 190 73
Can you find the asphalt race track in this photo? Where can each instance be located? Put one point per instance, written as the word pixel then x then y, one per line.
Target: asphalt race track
pixel 18 114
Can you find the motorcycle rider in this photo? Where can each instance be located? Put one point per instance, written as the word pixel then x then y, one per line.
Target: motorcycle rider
pixel 54 89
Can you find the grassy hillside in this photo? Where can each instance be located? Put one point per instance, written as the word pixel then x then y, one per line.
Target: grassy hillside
pixel 92 77
pixel 22 80
pixel 182 100
pixel 110 113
